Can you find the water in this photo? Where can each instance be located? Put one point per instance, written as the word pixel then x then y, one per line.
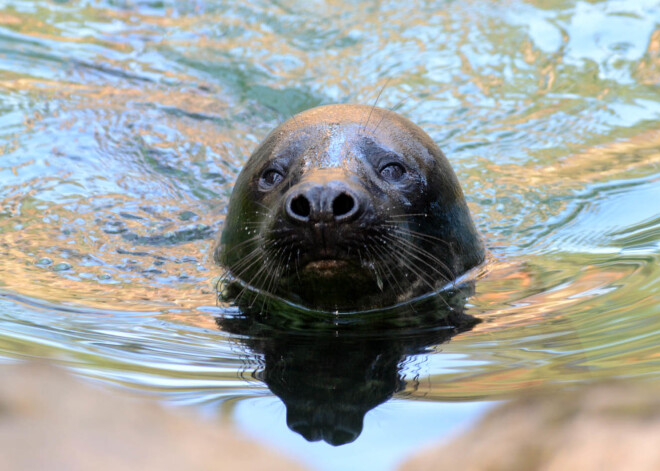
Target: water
pixel 124 123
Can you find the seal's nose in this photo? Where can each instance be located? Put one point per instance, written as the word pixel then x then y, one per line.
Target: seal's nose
pixel 332 201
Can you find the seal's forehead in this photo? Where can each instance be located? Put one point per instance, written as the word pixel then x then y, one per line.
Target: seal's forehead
pixel 332 136
pixel 322 145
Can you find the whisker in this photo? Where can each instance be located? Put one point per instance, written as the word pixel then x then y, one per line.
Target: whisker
pixel 422 277
pixel 249 284
pixel 393 108
pixel 402 292
pixel 272 274
pixel 252 239
pixel 416 234
pixel 373 107
pixel 246 262
pixel 264 274
pixel 426 254
pixel 387 267
pixel 422 255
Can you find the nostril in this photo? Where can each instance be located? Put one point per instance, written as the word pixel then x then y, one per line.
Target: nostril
pixel 300 206
pixel 343 204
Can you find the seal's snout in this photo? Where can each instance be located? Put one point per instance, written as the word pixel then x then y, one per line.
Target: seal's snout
pixel 332 201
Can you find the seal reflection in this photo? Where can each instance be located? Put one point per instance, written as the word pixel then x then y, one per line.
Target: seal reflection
pixel 330 370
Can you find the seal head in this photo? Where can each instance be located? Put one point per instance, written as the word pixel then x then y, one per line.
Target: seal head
pixel 347 207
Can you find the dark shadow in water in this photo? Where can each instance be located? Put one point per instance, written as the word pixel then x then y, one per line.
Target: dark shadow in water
pixel 330 370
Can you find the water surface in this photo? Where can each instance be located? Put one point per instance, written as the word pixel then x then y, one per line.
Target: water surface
pixel 124 123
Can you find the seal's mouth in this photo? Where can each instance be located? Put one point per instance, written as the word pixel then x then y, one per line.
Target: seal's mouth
pixel 332 275
pixel 327 265
pixel 326 261
pixel 331 269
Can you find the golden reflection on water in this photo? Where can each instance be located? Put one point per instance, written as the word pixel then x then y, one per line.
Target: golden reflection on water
pixel 648 69
pixel 604 162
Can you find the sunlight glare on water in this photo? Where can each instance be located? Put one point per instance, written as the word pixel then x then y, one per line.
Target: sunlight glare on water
pixel 123 125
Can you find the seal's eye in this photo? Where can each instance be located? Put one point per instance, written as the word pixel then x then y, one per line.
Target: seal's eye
pixel 392 172
pixel 270 178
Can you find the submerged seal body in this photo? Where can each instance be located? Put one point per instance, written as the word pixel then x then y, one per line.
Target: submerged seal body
pixel 347 207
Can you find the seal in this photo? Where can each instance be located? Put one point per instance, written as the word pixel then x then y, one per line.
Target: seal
pixel 347 208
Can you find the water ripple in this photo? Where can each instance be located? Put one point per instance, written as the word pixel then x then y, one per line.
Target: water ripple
pixel 123 126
